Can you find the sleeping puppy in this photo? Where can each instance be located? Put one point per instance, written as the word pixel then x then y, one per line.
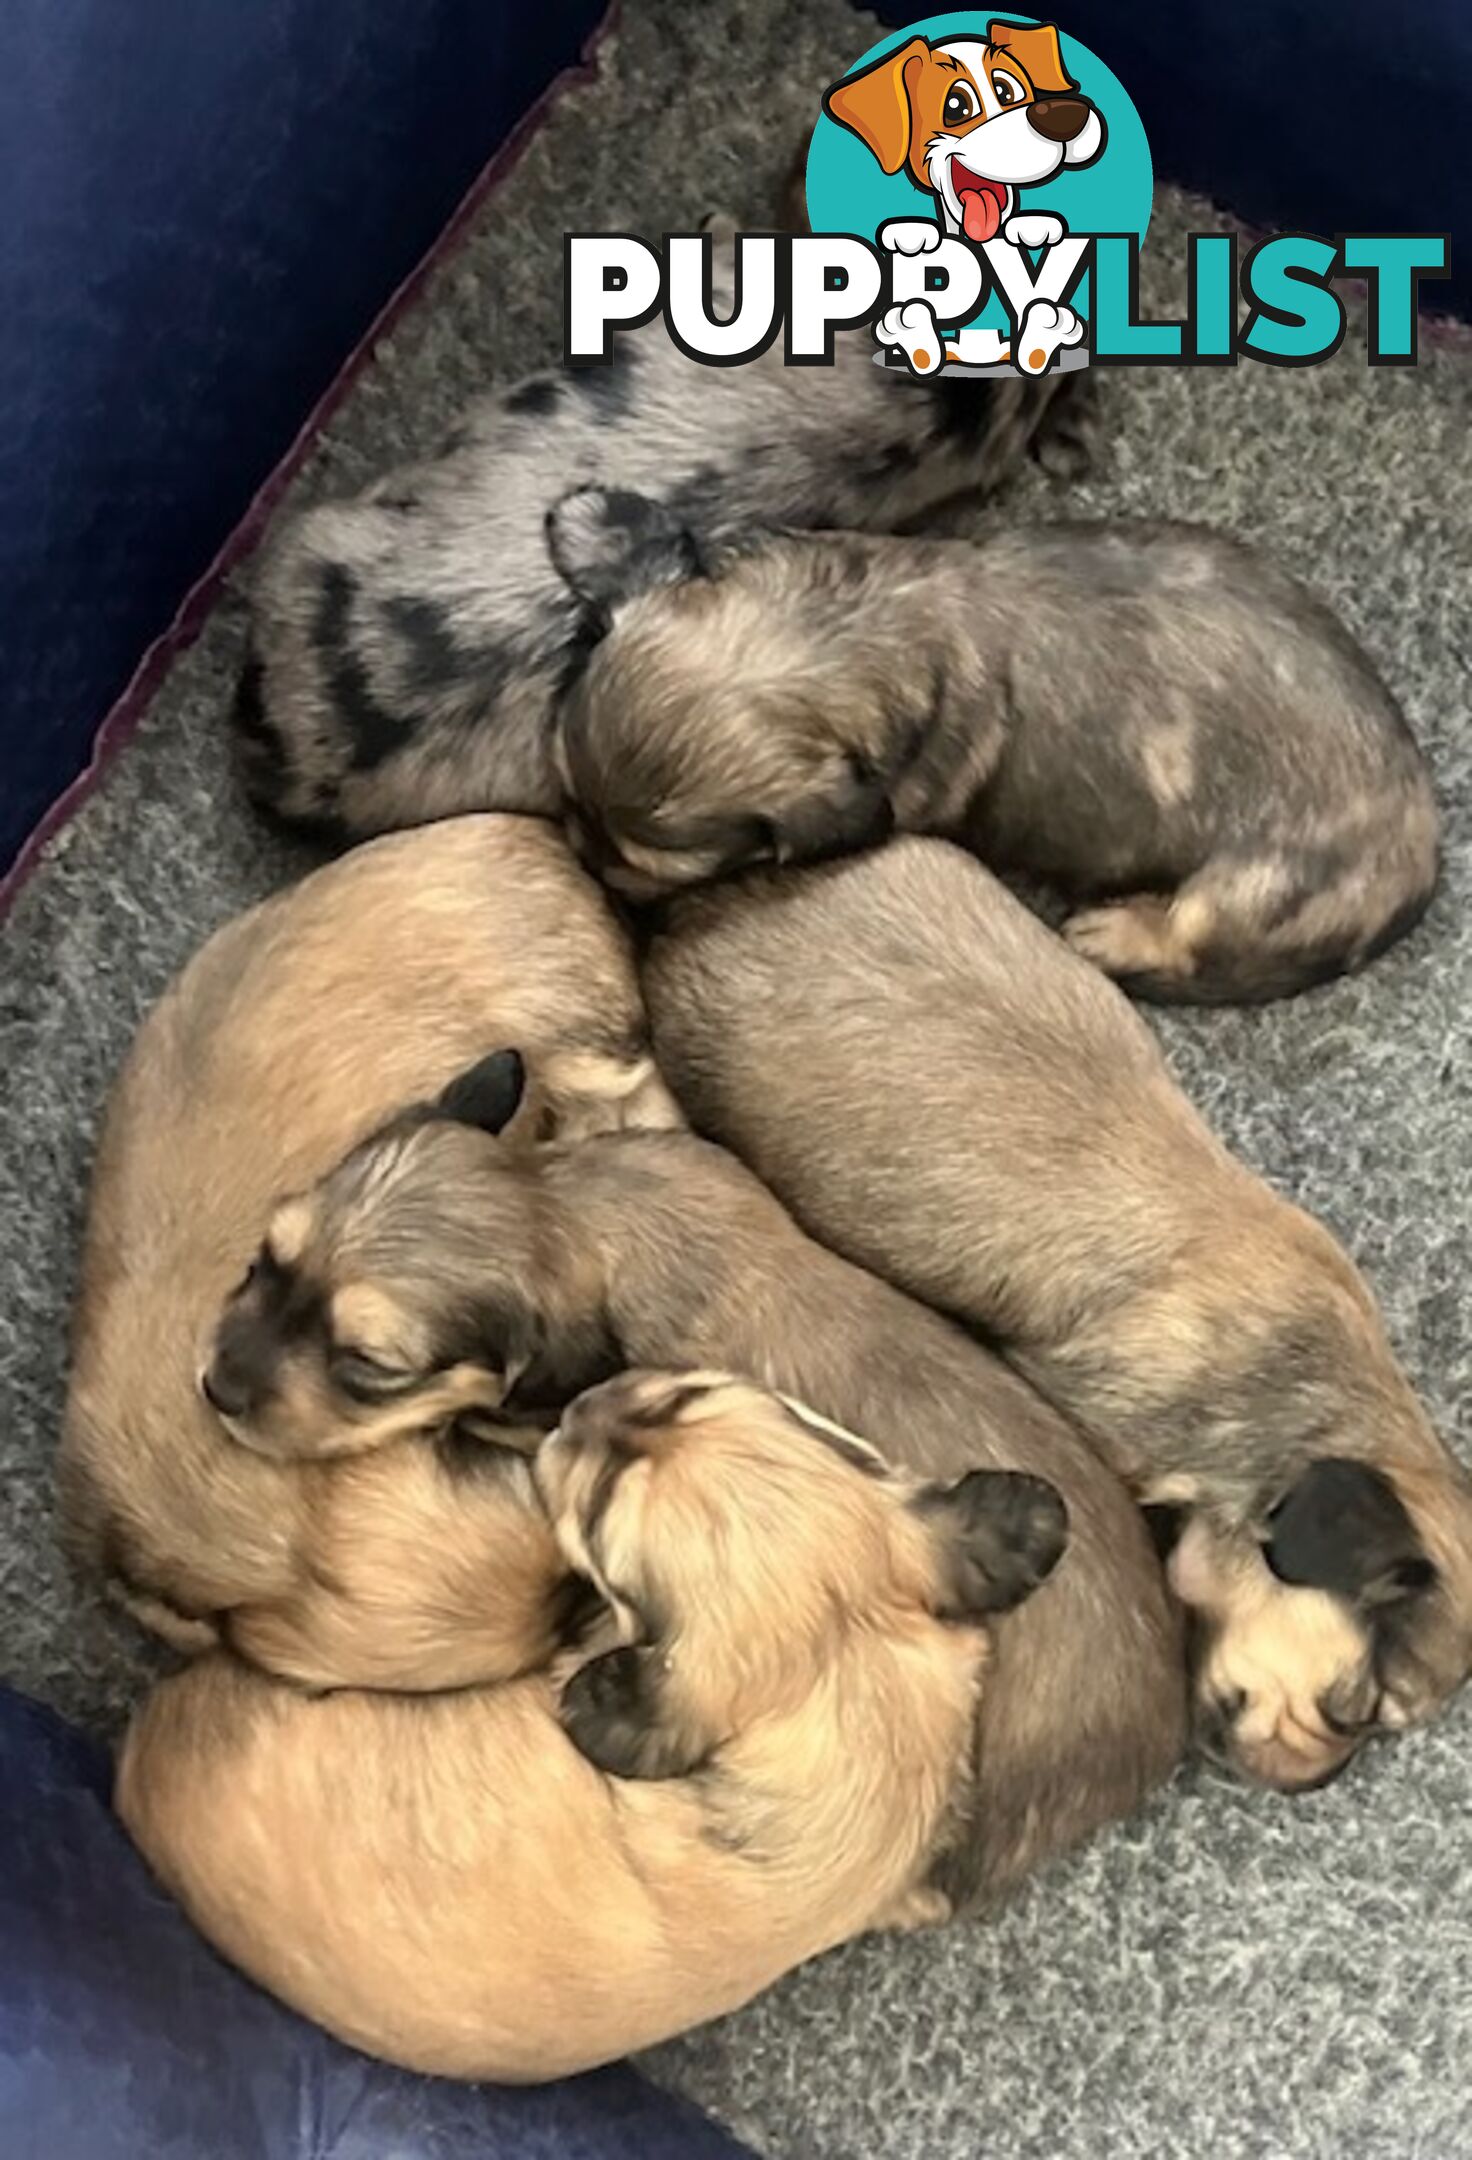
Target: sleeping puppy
pixel 657 1249
pixel 496 1884
pixel 411 643
pixel 1152 717
pixel 941 1090
pixel 293 1033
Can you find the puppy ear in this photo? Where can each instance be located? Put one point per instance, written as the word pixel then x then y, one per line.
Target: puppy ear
pixel 613 1712
pixel 1036 49
pixel 488 1095
pixel 1000 1533
pixel 609 544
pixel 1344 1528
pixel 851 810
pixel 875 105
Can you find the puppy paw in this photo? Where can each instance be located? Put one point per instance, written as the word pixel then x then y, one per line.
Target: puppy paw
pixel 913 328
pixel 1131 937
pixel 922 1907
pixel 909 236
pixel 1034 229
pixel 1047 327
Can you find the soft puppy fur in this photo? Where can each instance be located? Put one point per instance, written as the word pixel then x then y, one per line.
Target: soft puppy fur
pixel 657 1249
pixel 1152 717
pixel 469 1885
pixel 938 1088
pixel 411 642
pixel 293 1033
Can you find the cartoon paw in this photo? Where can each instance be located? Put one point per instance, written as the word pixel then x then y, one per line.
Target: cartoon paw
pixel 1034 229
pixel 1047 326
pixel 909 236
pixel 914 329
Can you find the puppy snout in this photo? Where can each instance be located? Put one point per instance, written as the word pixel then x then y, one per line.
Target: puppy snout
pixel 228 1388
pixel 1287 1761
pixel 1059 119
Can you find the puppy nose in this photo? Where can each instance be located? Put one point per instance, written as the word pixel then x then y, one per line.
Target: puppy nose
pixel 226 1390
pixel 1059 119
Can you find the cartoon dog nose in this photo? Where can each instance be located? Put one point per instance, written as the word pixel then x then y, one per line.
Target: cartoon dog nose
pixel 1059 119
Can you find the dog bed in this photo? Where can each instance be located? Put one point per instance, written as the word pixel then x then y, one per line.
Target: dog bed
pixel 205 206
pixel 1231 1974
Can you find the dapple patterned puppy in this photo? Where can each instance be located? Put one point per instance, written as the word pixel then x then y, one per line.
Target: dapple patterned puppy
pixel 656 1249
pixel 411 643
pixel 1152 717
pixel 410 1559
pixel 939 1089
pixel 468 1886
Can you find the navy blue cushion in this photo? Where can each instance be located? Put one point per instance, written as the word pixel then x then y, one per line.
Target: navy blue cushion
pixel 123 2037
pixel 205 205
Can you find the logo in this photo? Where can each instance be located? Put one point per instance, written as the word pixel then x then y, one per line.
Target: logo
pixel 979 188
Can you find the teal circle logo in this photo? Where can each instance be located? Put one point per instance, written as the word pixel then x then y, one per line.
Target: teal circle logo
pixel 997 95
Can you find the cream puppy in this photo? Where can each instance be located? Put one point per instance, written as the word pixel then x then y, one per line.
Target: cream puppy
pixel 471 1885
pixel 291 1035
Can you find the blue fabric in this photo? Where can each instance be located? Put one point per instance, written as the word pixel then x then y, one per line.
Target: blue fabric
pixel 1298 116
pixel 205 204
pixel 122 2037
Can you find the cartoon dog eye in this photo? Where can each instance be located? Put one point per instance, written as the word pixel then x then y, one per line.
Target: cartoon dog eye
pixel 1008 89
pixel 961 105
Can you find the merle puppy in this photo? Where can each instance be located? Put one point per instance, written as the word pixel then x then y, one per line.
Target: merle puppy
pixel 410 643
pixel 1151 717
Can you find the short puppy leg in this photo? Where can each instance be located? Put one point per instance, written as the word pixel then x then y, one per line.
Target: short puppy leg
pixel 1246 930
pixel 922 1907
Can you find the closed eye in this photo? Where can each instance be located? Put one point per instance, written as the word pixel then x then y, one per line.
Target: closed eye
pixel 367 1379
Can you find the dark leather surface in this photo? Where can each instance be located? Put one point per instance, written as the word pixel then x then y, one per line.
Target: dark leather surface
pixel 204 204
pixel 122 2037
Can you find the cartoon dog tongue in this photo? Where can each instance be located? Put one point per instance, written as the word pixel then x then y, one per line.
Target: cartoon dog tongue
pixel 981 214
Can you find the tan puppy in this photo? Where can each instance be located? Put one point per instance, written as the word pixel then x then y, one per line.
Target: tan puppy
pixel 941 1090
pixel 657 1249
pixel 467 1886
pixel 294 1032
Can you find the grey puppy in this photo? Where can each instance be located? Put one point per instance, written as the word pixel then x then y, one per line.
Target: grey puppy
pixel 411 643
pixel 940 1090
pixel 1151 716
pixel 664 1250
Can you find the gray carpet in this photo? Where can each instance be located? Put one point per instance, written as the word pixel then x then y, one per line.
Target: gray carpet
pixel 1234 1974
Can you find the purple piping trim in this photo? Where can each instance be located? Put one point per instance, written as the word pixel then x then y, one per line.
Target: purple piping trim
pixel 122 719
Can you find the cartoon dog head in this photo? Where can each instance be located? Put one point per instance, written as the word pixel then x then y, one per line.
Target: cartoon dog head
pixel 971 120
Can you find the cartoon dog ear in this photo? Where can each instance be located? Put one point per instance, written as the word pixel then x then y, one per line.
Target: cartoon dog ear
pixel 609 544
pixel 614 1712
pixel 1001 1533
pixel 849 811
pixel 1036 49
pixel 876 104
pixel 1344 1528
pixel 488 1094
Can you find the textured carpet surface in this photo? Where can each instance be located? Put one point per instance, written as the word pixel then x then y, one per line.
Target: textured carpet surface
pixel 1233 1974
